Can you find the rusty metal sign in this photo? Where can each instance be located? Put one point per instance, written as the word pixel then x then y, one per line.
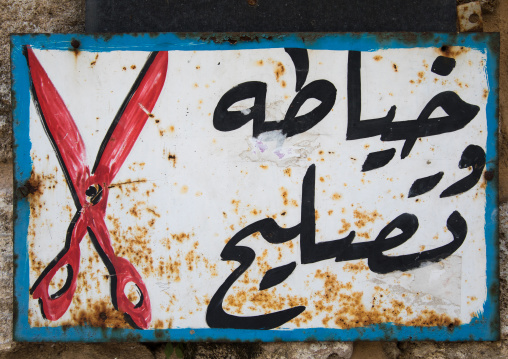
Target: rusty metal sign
pixel 250 187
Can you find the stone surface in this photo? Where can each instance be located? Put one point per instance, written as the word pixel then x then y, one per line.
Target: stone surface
pixel 323 350
pixel 495 350
pixel 487 5
pixel 78 351
pixel 376 350
pixel 222 350
pixel 27 16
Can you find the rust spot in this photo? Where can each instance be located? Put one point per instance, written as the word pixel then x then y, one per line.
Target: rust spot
pixel 184 189
pixel 336 196
pixel 287 172
pixel 279 71
pixel 75 43
pixel 364 217
pixel 377 57
pixel 365 235
pixel 180 237
pixel 265 167
pixel 421 74
pixel 284 194
pixel 355 267
pixel 452 51
pixel 354 311
pixel 124 68
pixel 94 61
pixel 236 204
pixel 395 68
pixel 260 62
pixel 97 314
pixel 133 67
pixel 345 226
pixel 489 175
pixel 485 94
pixel 189 259
pixel 133 243
pixel 172 158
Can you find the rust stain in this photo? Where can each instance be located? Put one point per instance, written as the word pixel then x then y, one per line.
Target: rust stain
pixel 395 68
pixel 377 57
pixel 181 237
pixel 190 258
pixel 287 172
pixel 355 267
pixel 452 51
pixel 365 235
pixel 133 244
pixel 92 64
pixel 354 311
pixel 364 217
pixel 279 70
pixel 169 268
pixel 336 196
pixel 255 212
pixel 98 314
pixel 236 204
pixel 345 226
pixel 284 194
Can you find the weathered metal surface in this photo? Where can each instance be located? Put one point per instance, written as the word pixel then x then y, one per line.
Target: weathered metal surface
pixel 470 17
pixel 114 16
pixel 348 183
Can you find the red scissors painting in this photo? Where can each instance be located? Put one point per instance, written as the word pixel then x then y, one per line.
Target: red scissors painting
pixel 90 189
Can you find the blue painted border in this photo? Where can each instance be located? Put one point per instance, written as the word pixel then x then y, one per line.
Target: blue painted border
pixel 486 327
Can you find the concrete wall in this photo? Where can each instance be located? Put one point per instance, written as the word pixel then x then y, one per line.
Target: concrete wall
pixel 68 16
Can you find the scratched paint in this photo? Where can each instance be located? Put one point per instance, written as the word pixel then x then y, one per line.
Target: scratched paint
pixel 187 188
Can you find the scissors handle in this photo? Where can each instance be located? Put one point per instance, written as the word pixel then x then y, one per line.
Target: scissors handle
pixel 53 306
pixel 139 312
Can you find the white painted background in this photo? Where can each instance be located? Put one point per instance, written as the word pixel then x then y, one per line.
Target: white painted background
pixel 215 169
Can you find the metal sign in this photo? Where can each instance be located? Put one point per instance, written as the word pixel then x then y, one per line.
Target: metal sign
pixel 256 187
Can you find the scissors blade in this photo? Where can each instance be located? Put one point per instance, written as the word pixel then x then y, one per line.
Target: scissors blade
pixel 131 117
pixel 60 128
pixel 121 272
